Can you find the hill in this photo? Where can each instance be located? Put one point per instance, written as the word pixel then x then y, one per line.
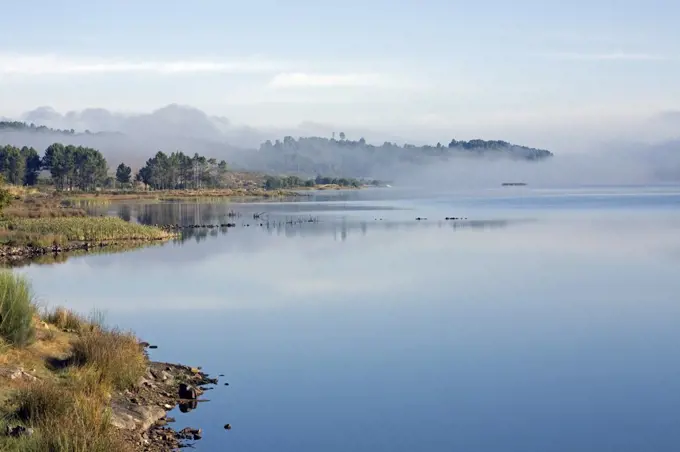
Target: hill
pixel 133 138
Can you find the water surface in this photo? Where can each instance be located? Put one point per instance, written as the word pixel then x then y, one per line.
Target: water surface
pixel 545 321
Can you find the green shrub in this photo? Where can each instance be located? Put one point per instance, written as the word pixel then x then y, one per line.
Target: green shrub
pixel 16 309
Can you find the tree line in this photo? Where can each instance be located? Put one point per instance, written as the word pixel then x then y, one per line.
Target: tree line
pixel 19 166
pixel 179 171
pixel 77 167
pixel 307 156
pixel 277 182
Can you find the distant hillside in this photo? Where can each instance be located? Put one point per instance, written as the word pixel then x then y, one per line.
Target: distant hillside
pixel 307 157
pixel 18 126
pixel 315 155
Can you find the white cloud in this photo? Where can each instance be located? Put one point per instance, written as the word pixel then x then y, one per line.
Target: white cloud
pixel 614 56
pixel 13 64
pixel 301 79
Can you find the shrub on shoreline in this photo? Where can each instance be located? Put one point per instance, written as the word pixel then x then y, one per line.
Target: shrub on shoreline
pixel 16 309
pixel 68 409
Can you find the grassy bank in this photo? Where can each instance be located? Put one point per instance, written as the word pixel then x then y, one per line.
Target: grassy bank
pixel 68 229
pixel 170 195
pixel 69 383
pixel 37 222
pixel 58 372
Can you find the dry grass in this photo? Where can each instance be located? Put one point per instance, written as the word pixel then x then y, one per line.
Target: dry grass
pixel 70 321
pixel 170 195
pixel 18 238
pixel 69 415
pixel 115 354
pixel 69 408
pixel 29 204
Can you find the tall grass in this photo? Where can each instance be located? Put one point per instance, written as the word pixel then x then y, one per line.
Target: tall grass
pixel 70 416
pixel 87 228
pixel 64 319
pixel 117 356
pixel 16 309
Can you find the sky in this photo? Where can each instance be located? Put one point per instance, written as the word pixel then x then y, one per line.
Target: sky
pixel 480 67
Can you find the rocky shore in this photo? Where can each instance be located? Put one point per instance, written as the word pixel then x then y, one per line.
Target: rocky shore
pixel 26 252
pixel 141 414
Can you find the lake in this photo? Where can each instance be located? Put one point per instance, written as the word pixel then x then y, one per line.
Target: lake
pixel 545 321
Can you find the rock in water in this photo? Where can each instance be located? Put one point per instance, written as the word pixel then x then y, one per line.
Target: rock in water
pixel 190 433
pixel 187 392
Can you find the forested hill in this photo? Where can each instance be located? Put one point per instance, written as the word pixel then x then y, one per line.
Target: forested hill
pixel 18 126
pixel 306 157
pixel 317 155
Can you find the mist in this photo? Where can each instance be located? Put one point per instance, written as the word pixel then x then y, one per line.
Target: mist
pixel 135 138
pixel 642 165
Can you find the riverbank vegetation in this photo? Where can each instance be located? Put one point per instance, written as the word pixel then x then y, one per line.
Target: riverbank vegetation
pixel 58 373
pixel 99 229
pixel 33 223
pixel 69 383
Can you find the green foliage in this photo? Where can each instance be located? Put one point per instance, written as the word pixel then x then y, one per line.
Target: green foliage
pixel 16 309
pixel 123 174
pixel 357 158
pixel 19 166
pixel 276 183
pixel 22 126
pixel 5 198
pixel 75 167
pixel 341 181
pixel 179 171
pixel 86 228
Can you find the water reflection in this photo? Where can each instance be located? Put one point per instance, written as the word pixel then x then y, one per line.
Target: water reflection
pixel 189 213
pixel 59 258
pixel 342 230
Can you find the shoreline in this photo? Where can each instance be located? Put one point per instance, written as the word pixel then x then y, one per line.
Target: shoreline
pixel 170 195
pixel 18 254
pixel 142 414
pixel 68 382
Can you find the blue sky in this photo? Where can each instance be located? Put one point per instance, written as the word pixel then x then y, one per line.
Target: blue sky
pixel 425 64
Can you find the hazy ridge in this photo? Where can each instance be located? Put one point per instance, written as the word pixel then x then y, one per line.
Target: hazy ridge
pixel 133 138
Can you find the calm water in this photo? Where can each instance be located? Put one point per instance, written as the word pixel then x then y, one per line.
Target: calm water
pixel 547 321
